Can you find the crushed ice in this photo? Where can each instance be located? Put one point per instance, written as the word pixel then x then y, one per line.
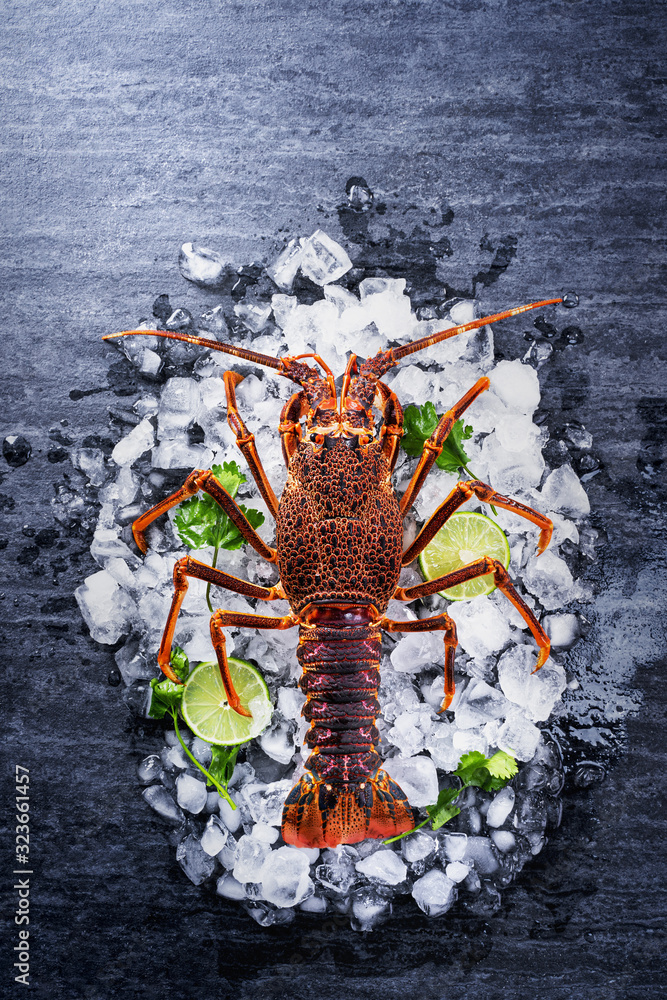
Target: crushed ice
pixel 499 702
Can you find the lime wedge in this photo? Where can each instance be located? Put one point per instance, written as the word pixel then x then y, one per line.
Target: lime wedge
pixel 465 537
pixel 206 710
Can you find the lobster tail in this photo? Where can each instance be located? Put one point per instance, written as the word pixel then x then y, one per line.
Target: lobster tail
pixel 321 814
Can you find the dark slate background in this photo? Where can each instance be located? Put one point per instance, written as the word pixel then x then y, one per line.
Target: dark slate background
pixel 131 127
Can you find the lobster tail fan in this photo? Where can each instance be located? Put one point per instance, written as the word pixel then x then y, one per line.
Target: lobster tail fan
pixel 320 814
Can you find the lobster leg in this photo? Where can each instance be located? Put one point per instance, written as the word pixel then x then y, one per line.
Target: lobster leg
pixel 246 442
pixel 438 622
pixel 203 479
pixel 392 428
pixel 290 427
pixel 501 578
pixel 463 492
pixel 191 567
pixel 434 445
pixel 222 618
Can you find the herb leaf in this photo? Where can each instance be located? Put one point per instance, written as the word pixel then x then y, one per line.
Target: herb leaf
pixel 201 523
pixel 165 697
pixel 223 762
pixel 488 773
pixel 420 422
pixel 444 809
pixel 179 663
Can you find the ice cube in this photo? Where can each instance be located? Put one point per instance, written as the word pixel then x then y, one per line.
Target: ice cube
pixel 531 813
pixel 480 626
pixel 579 436
pixel 107 545
pixel 518 736
pixel 203 267
pixel 434 893
pixel 290 702
pixel 323 260
pixel 385 866
pixel 536 693
pixel 194 861
pixel 149 769
pixel 277 742
pixel 504 840
pixel 132 663
pixel 501 806
pixel 214 837
pixel 563 630
pixel 406 734
pixel 457 871
pixel 511 471
pixel 418 846
pixel 455 846
pixel 440 745
pixel 179 403
pixel 175 453
pixel 229 888
pixel 369 908
pixel 266 801
pixel 517 385
pixel 416 650
pixel 550 580
pixel 191 793
pixel 466 740
pixel 284 268
pixel 389 310
pixel 230 817
pixel 253 315
pixel 479 704
pixel 214 321
pixel 480 853
pixel 284 877
pixel 161 801
pixel 314 904
pixel 134 444
pixel 337 872
pixel 341 298
pixel 563 492
pixel 107 610
pixel 252 854
pixel 516 432
pixel 416 776
pixel 91 462
pixel 264 832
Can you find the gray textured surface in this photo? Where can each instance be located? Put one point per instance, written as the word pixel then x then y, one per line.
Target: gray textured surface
pixel 132 127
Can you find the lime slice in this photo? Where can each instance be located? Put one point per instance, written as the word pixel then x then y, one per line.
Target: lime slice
pixel 206 710
pixel 465 538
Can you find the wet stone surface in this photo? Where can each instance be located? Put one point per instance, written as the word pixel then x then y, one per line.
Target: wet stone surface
pixel 473 125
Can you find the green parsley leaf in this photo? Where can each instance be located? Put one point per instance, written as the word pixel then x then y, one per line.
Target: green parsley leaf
pixel 179 663
pixel 201 523
pixel 418 425
pixel 165 697
pixel 444 809
pixel 223 762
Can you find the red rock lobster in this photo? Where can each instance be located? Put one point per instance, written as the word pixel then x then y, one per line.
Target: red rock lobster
pixel 339 554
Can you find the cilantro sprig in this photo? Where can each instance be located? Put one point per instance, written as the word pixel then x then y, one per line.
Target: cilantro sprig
pixel 201 523
pixel 488 773
pixel 419 422
pixel 166 697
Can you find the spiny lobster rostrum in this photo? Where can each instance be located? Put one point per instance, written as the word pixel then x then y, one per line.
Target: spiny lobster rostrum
pixel 339 554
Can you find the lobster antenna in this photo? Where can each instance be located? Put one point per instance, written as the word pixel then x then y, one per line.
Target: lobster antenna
pixel 418 345
pixel 214 345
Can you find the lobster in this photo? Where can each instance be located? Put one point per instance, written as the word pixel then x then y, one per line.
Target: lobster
pixel 339 555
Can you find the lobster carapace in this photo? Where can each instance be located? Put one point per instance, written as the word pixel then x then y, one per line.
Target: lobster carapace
pixel 339 554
